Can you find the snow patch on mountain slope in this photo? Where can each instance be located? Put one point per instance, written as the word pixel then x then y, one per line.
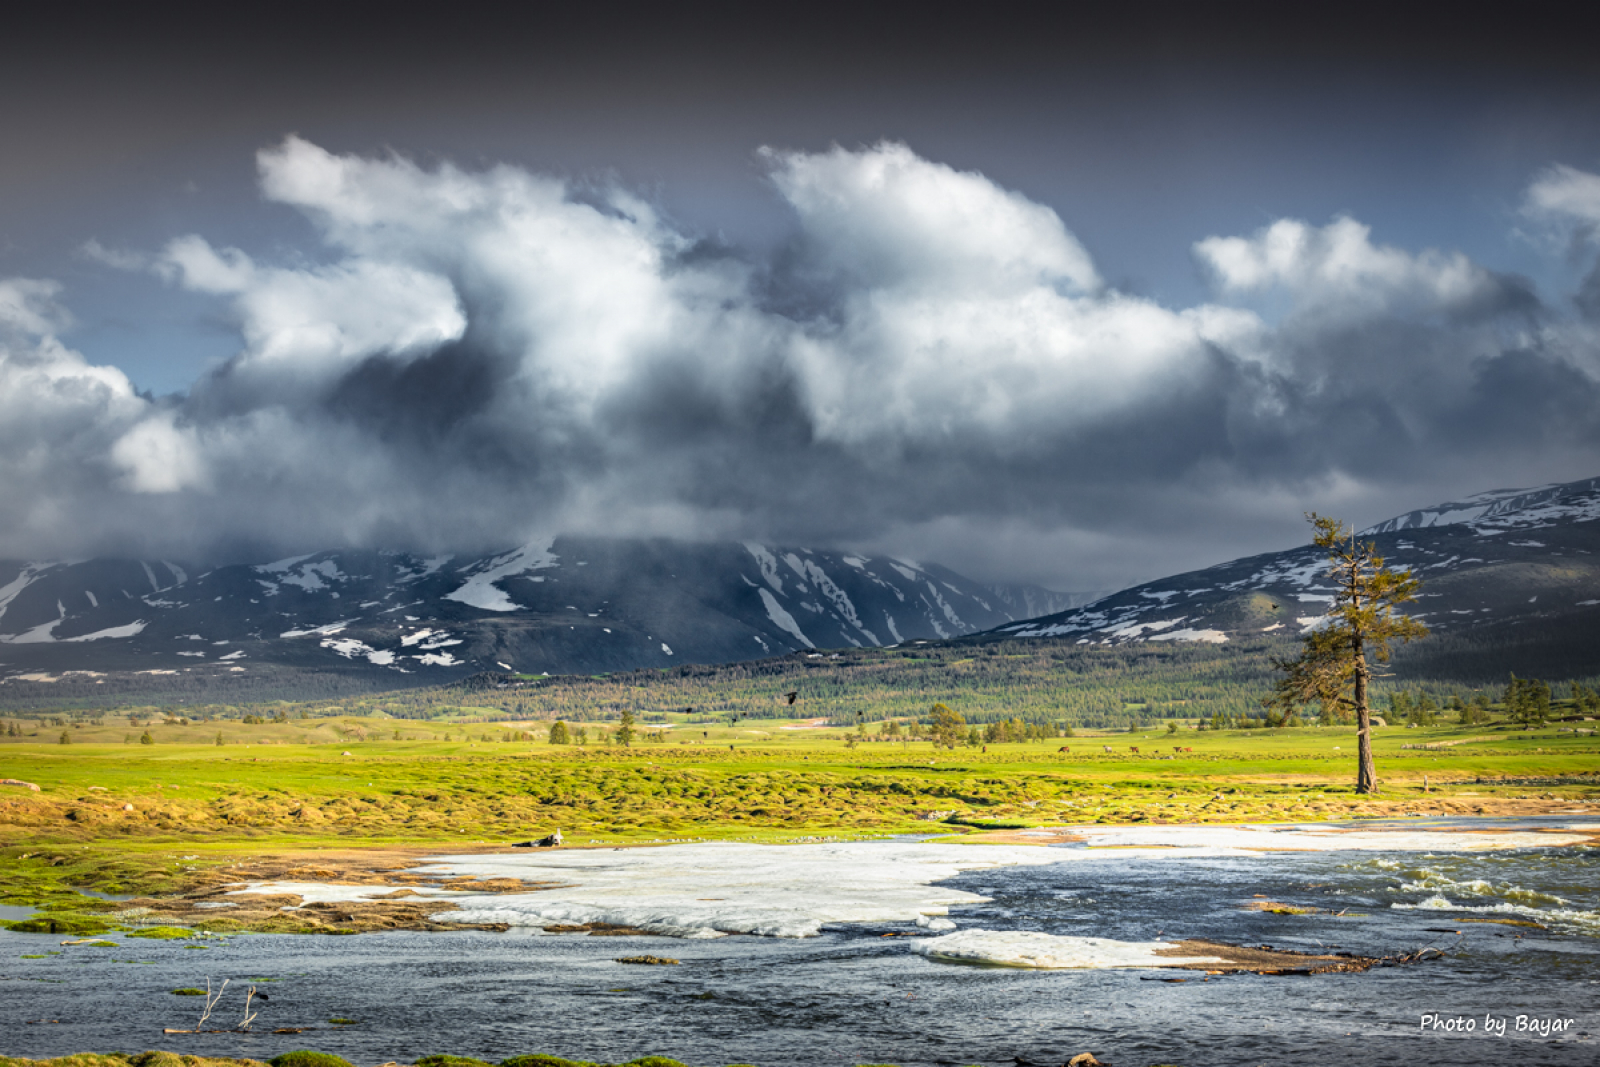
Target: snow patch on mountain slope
pixel 1295 570
pixel 841 600
pixel 949 612
pixel 782 619
pixel 479 590
pixel 1210 637
pixel 768 565
pixel 310 576
pixel 29 574
pixel 283 564
pixel 1504 509
pixel 1134 629
pixel 325 630
pixel 426 567
pixel 132 629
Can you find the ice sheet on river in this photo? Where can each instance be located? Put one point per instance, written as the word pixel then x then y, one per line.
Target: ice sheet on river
pixel 1025 948
pixel 709 890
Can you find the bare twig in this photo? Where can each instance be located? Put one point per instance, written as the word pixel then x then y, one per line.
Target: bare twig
pixel 244 1024
pixel 211 1001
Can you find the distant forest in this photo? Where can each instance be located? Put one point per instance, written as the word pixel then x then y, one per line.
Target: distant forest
pixel 1055 683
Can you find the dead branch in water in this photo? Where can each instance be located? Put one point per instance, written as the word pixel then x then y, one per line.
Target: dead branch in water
pixel 211 1002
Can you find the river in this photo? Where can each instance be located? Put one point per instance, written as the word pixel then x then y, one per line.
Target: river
pixel 850 995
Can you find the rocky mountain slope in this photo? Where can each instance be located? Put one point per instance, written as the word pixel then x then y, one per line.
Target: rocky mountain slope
pixel 1501 569
pixel 564 605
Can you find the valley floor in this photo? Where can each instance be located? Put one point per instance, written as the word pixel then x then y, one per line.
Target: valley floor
pixel 165 820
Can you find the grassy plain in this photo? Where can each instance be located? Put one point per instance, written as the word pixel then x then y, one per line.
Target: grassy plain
pixel 119 816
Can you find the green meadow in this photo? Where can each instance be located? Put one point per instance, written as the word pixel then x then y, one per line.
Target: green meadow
pixel 118 815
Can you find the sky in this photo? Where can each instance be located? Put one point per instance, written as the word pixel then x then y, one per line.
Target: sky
pixel 1071 295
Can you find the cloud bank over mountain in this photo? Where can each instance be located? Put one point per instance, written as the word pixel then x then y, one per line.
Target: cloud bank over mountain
pixel 932 364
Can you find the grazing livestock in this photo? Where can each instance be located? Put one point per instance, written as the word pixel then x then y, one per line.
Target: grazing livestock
pixel 1064 748
pixel 1134 749
pixel 1106 747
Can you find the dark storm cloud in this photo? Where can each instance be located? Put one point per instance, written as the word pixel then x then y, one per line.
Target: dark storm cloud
pixel 933 364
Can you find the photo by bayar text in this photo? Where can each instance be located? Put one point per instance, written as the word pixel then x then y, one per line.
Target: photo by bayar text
pixel 1495 1025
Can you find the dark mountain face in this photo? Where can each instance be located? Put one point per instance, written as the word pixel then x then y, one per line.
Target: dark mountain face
pixel 1511 567
pixel 567 605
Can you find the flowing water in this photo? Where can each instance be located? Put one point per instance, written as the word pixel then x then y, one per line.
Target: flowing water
pixel 851 995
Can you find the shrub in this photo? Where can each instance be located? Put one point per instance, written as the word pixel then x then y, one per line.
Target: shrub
pixel 59 923
pixel 157 1059
pixel 163 933
pixel 307 1058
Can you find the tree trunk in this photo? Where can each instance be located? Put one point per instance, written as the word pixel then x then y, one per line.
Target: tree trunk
pixel 1366 771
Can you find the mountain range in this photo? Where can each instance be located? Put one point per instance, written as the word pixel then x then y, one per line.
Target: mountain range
pixel 561 605
pixel 1511 575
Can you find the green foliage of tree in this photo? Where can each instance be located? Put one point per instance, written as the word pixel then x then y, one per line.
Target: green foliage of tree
pixel 1400 706
pixel 559 734
pixel 1527 701
pixel 66 737
pixel 949 727
pixel 146 739
pixel 1332 668
pixel 624 734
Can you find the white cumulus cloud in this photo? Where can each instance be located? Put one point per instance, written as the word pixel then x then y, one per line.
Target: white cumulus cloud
pixel 1338 268
pixel 458 357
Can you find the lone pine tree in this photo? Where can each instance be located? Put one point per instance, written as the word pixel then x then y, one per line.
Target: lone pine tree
pixel 1332 669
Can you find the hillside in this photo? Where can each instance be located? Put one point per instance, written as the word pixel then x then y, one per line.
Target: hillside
pixel 1511 581
pixel 336 622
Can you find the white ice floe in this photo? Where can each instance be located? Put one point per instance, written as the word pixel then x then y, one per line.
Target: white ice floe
pixel 1024 948
pixel 1585 921
pixel 713 889
pixel 710 890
